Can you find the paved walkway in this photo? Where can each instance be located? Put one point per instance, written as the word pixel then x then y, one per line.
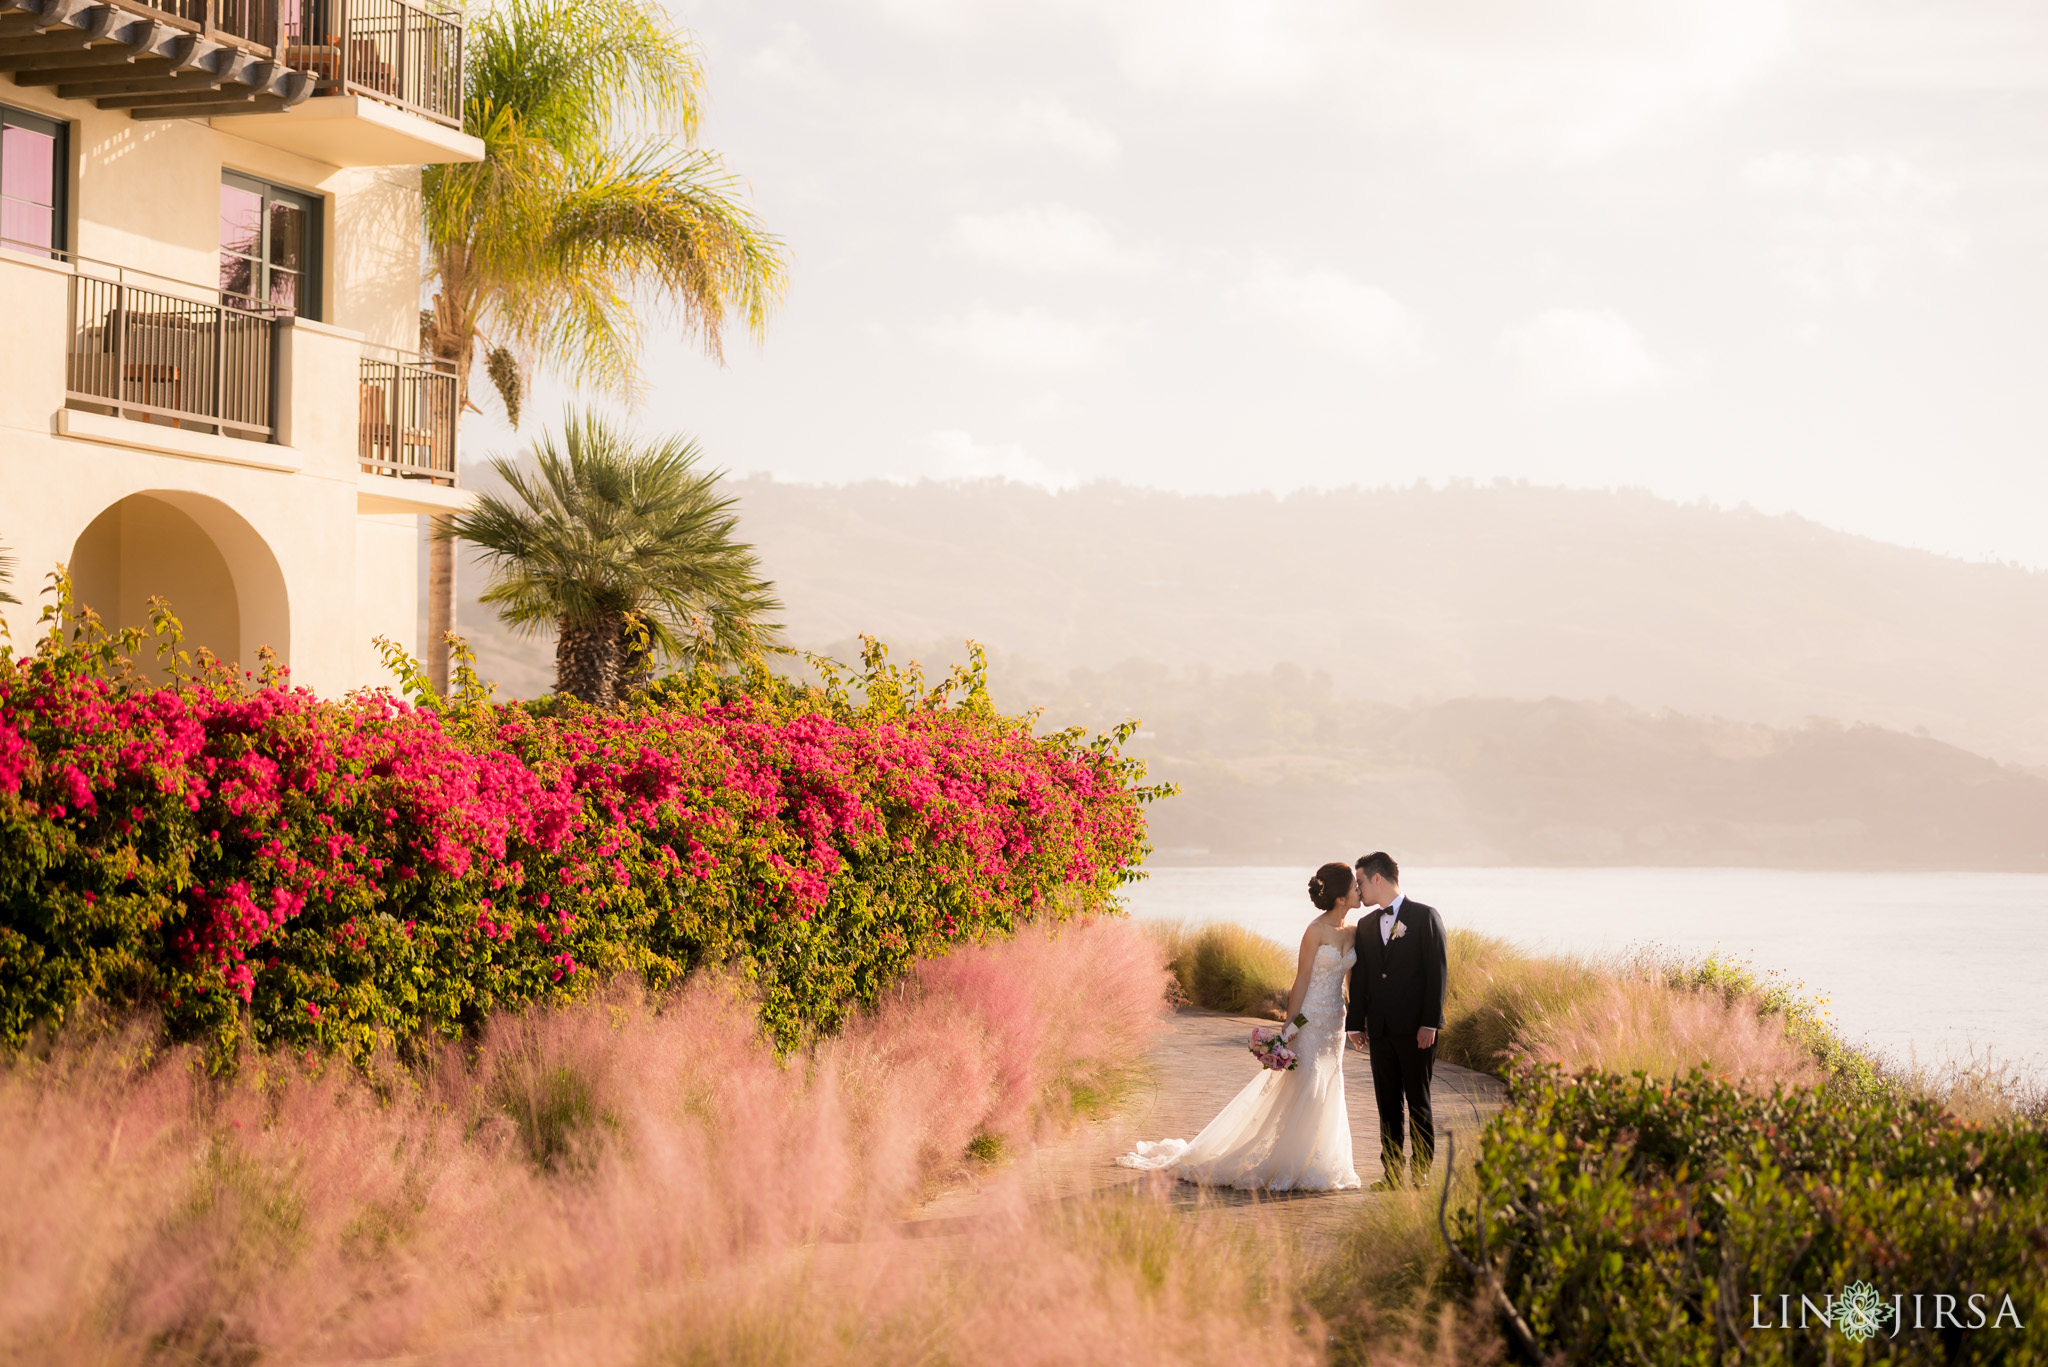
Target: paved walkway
pixel 1197 1066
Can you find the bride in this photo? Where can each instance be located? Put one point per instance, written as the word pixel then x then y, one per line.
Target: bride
pixel 1287 1131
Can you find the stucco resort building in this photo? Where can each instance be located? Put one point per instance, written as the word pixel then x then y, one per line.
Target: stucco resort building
pixel 211 383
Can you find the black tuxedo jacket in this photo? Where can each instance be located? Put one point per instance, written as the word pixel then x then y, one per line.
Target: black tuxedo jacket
pixel 1397 988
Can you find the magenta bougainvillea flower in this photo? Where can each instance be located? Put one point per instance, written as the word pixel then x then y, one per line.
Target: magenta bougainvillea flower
pixel 253 858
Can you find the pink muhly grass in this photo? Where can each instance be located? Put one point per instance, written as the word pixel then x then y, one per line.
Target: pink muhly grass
pixel 1635 1022
pixel 587 1181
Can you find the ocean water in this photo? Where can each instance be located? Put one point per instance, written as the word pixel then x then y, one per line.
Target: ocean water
pixel 1925 966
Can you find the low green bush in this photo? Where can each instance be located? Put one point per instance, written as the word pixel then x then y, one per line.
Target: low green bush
pixel 1691 1221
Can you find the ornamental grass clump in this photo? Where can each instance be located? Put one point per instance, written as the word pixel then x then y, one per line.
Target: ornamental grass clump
pixel 1224 967
pixel 1648 1011
pixel 607 1181
pixel 1632 1024
pixel 262 865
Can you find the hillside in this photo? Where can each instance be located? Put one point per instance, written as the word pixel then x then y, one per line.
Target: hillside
pixel 1276 769
pixel 1504 591
pixel 1501 674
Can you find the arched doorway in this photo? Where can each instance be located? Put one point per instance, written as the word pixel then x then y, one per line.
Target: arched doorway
pixel 197 554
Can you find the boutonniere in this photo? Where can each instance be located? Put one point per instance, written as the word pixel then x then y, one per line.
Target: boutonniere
pixel 1400 929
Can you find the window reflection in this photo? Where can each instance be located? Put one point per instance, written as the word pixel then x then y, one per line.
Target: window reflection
pixel 31 173
pixel 28 165
pixel 241 220
pixel 238 279
pixel 287 234
pixel 267 246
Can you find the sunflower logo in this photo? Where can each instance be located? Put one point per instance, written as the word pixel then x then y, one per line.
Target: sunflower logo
pixel 1860 1312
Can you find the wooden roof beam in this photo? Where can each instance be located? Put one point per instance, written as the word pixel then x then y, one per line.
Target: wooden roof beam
pixel 184 52
pixel 254 104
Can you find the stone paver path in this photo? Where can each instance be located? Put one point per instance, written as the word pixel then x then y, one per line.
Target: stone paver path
pixel 1197 1066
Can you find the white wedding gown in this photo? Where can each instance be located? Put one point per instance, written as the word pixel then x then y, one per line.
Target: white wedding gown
pixel 1285 1131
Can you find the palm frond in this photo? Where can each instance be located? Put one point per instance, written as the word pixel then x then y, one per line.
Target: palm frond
pixel 548 242
pixel 576 74
pixel 7 563
pixel 603 525
pixel 677 223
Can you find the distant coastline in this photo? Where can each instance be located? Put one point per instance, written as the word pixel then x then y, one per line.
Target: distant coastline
pixel 1858 938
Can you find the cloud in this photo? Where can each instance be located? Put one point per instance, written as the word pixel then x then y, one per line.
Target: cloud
pixel 1360 319
pixel 1046 237
pixel 790 58
pixel 1028 339
pixel 1566 79
pixel 954 454
pixel 1221 46
pixel 1041 121
pixel 1841 223
pixel 1921 46
pixel 1571 353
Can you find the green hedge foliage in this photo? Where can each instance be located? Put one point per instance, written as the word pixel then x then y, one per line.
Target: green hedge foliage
pixel 264 865
pixel 1631 1220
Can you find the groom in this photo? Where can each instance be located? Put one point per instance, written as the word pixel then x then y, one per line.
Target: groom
pixel 1397 1007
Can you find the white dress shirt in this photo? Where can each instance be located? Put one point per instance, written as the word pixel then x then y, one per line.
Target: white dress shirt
pixel 1389 916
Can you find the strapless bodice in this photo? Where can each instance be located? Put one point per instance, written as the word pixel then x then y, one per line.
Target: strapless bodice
pixel 1323 1004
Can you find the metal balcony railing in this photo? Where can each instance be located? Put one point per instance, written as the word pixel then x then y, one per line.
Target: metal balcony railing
pixel 396 51
pixel 166 354
pixel 252 24
pixel 207 58
pixel 406 425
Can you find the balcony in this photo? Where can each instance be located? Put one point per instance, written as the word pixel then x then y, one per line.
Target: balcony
pixel 176 59
pixel 156 351
pixel 395 51
pixel 141 365
pixel 406 422
pixel 348 82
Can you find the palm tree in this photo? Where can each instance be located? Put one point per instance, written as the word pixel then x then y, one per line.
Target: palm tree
pixel 6 576
pixel 626 549
pixel 539 251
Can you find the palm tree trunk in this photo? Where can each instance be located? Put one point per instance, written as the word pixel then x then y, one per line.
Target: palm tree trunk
pixel 451 337
pixel 587 660
pixel 440 604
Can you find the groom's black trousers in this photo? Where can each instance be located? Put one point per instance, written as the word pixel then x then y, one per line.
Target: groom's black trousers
pixel 1401 1072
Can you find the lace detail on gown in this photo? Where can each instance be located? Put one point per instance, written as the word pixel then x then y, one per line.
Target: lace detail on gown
pixel 1285 1131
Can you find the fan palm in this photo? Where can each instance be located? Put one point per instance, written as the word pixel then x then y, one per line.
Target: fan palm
pixel 6 574
pixel 590 196
pixel 626 549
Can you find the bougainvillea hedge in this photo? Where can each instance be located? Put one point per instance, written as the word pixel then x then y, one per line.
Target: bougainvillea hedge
pixel 265 865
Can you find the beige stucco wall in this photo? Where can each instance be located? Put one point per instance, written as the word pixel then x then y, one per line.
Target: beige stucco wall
pixel 312 578
pixel 387 591
pixel 145 194
pixel 287 558
pixel 145 547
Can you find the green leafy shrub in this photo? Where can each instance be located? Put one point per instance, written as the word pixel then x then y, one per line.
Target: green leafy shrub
pixel 1637 1220
pixel 257 862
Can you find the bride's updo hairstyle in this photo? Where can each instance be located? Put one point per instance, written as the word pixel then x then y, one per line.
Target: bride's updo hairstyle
pixel 1329 886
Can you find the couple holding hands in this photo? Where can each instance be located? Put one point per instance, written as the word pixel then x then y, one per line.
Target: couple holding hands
pixel 1379 985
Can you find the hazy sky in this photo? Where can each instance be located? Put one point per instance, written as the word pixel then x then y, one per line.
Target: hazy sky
pixel 1748 251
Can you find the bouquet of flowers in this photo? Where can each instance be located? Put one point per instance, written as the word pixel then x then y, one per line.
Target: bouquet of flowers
pixel 1271 1050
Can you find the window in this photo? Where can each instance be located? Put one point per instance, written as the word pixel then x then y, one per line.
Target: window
pixel 269 246
pixel 33 172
